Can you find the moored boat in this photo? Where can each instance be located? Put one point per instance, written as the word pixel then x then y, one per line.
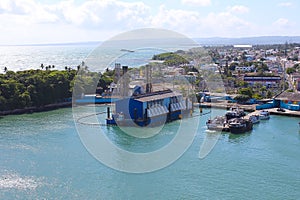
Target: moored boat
pixel 263 115
pixel 239 125
pixel 217 123
pixel 254 119
pixel 234 112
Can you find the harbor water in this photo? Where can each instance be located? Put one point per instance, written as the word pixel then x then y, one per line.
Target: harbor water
pixel 42 157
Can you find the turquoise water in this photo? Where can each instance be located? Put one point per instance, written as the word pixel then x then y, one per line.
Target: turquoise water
pixel 42 157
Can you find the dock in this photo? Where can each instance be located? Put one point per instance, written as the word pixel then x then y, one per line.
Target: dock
pixel 273 111
pixel 227 106
pixel 256 112
pixel 248 108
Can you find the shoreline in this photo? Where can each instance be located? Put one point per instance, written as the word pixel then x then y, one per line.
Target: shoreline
pixel 35 109
pixel 222 105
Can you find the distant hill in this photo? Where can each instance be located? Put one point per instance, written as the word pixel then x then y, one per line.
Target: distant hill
pixel 215 41
pixel 90 43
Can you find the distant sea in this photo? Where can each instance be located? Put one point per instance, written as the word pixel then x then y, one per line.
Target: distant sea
pixel 24 57
pixel 17 58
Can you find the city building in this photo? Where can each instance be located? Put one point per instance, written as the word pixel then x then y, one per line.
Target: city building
pixel 268 81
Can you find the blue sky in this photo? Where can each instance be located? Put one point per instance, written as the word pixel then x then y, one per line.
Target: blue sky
pixel 53 21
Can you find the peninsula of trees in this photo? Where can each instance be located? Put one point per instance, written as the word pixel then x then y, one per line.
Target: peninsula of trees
pixel 38 88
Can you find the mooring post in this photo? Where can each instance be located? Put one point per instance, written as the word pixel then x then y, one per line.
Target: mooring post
pixel 108 112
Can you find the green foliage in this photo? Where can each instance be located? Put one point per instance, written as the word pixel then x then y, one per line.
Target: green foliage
pixel 34 88
pixel 246 91
pixel 257 96
pixel 290 70
pixel 241 98
pixel 269 94
pixel 171 59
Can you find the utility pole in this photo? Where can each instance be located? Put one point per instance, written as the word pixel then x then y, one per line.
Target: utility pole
pixel 284 75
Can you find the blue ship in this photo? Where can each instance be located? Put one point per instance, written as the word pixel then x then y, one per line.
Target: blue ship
pixel 149 109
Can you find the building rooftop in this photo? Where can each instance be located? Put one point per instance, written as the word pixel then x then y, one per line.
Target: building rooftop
pixel 291 96
pixel 157 95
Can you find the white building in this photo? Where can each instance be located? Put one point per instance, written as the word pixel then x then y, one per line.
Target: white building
pixel 245 68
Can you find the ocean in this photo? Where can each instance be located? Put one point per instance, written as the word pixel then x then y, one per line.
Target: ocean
pixel 18 58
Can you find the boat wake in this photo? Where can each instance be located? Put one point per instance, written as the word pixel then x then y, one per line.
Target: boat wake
pixel 15 181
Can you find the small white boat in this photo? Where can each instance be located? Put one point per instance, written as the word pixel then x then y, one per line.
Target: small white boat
pixel 264 115
pixel 218 123
pixel 254 119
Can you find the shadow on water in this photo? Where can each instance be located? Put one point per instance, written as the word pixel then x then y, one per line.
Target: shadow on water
pixel 140 145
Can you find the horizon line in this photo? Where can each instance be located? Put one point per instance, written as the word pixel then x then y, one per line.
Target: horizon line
pixel 193 38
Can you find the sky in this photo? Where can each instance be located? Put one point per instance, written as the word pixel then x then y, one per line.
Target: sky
pixel 54 21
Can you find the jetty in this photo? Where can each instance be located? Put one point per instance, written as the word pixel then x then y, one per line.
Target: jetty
pixel 226 105
pixel 248 108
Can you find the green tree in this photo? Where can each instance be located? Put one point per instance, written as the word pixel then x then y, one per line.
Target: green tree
pixel 171 59
pixel 290 70
pixel 242 98
pixel 269 94
pixel 246 91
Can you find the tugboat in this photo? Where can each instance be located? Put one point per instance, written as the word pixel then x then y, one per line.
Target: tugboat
pixel 239 125
pixel 218 123
pixel 234 112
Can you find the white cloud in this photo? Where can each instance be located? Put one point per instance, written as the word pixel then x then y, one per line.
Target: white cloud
pixel 238 9
pixel 29 21
pixel 102 13
pixel 226 24
pixel 197 2
pixel 285 4
pixel 172 18
pixel 19 7
pixel 33 21
pixel 282 23
pixel 284 27
pixel 193 24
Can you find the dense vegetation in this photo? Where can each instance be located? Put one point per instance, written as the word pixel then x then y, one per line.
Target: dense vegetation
pixel 171 59
pixel 35 88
